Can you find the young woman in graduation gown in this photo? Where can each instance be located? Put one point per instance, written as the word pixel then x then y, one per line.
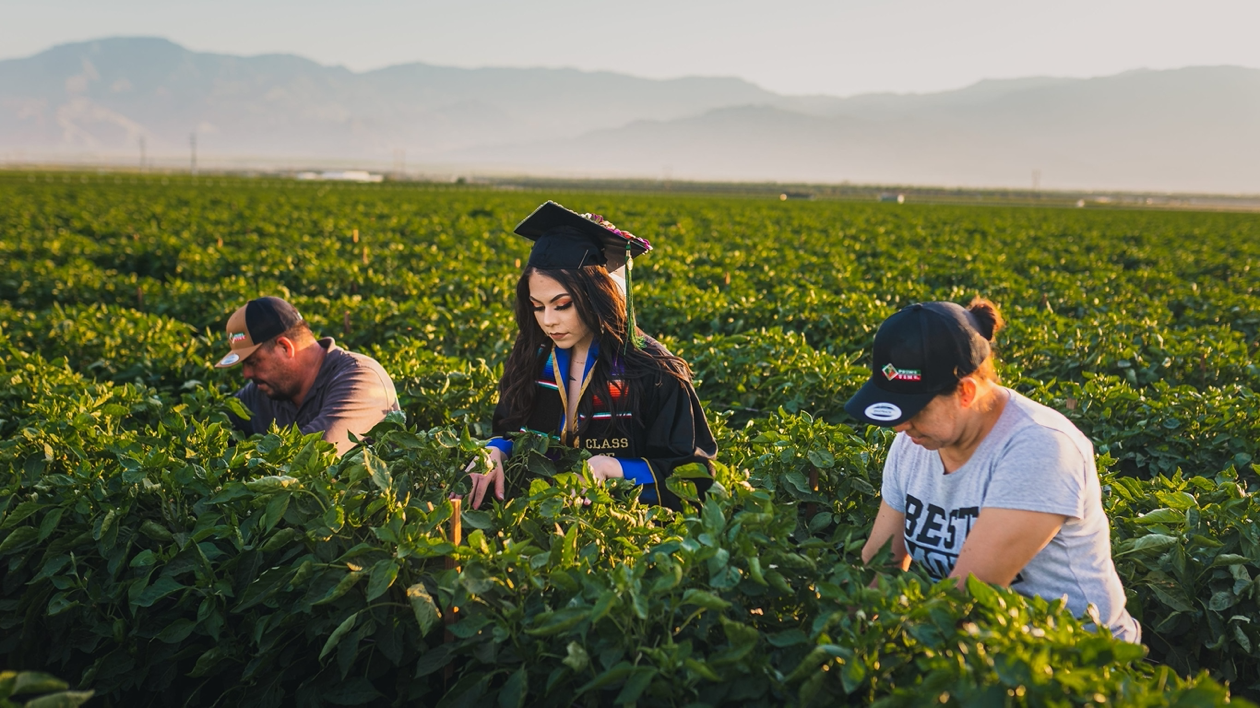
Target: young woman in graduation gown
pixel 583 372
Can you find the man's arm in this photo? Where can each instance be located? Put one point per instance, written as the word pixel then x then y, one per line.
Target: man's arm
pixel 1001 543
pixel 355 401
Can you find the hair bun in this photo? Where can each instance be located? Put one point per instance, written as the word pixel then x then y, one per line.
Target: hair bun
pixel 986 317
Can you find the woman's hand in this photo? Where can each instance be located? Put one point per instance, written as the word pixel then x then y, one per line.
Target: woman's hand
pixel 604 468
pixel 482 481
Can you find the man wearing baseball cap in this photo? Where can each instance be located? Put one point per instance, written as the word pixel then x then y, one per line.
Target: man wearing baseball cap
pixel 295 379
pixel 981 480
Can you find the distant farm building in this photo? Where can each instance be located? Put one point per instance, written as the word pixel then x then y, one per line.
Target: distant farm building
pixel 888 197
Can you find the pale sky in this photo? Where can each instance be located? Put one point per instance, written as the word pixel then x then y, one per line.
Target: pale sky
pixel 838 47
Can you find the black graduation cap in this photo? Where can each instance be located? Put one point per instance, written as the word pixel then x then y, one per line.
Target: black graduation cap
pixel 566 239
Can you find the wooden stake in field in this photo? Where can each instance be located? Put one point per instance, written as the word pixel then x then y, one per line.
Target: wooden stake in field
pixel 456 536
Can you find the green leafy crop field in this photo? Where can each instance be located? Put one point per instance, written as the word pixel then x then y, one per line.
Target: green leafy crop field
pixel 154 557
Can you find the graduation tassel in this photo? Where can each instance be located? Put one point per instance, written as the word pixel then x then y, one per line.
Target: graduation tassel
pixel 632 328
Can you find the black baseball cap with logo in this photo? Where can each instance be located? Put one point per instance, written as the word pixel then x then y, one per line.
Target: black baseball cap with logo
pixel 254 324
pixel 920 352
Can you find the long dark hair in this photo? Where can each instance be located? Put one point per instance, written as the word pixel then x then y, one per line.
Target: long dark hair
pixel 602 307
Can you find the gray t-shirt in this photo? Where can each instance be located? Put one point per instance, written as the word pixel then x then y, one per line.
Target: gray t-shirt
pixel 1033 459
pixel 351 393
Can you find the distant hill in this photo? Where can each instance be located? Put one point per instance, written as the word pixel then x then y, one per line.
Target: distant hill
pixel 1194 129
pixel 104 95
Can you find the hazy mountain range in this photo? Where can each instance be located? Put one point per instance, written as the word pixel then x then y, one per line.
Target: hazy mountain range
pixel 1193 129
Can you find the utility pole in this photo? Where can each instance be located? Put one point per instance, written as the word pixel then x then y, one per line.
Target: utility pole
pixel 192 144
pixel 142 153
pixel 1036 180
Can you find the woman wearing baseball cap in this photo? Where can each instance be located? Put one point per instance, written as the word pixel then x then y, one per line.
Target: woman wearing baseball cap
pixel 981 480
pixel 583 372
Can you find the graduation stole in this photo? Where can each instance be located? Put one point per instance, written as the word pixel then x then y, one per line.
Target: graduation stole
pixel 569 432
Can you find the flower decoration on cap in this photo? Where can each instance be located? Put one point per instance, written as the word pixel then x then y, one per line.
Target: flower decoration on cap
pixel 613 228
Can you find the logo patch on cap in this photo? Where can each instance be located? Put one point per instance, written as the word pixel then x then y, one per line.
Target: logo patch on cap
pixel 230 359
pixel 895 374
pixel 235 337
pixel 882 412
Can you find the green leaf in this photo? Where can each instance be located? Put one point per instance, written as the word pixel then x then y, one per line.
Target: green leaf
pixel 59 603
pixel 551 623
pixel 352 692
pixel 62 699
pixel 384 572
pixel 713 518
pixel 613 675
pixel 275 511
pixel 477 519
pixel 701 669
pixel 1152 543
pixel 18 539
pixel 640 678
pixel 272 484
pixel 281 538
pixel 36 682
pixel 983 592
pixel 434 660
pixel 820 521
pixel 1177 500
pixel 49 523
pixel 1229 559
pixel 238 409
pixel 702 598
pixel 143 558
pixel 343 586
pixel 162 587
pixel 176 631
pixel 789 638
pixel 156 531
pixel 424 608
pixel 207 661
pixel 470 626
pixel 1221 601
pixel 340 632
pixel 1241 637
pixel 577 658
pixel 691 470
pixel 821 459
pixel 230 492
pixel 1161 516
pixel 378 470
pixel 514 690
pixel 683 488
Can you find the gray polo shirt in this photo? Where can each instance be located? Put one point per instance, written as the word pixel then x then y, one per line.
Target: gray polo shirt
pixel 351 393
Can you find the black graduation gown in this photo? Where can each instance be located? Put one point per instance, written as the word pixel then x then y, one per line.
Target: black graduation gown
pixel 669 429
